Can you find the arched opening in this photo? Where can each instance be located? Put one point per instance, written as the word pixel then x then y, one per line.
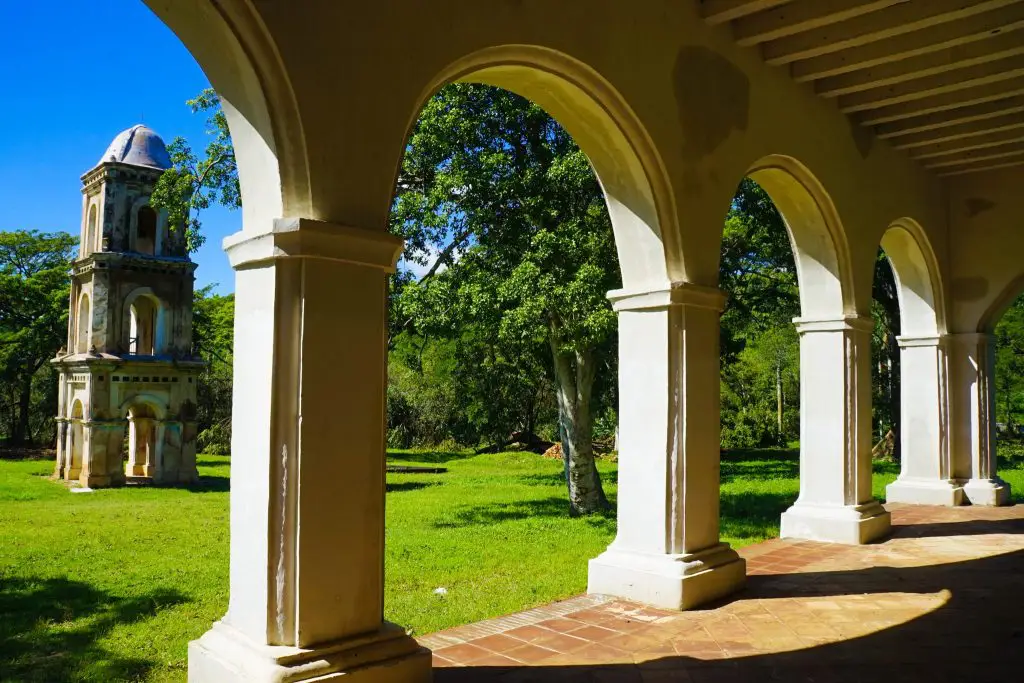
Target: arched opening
pixel 835 501
pixel 143 326
pixel 140 444
pixel 76 435
pixel 145 237
pixel 90 243
pixel 987 392
pixel 912 369
pixel 511 382
pixel 83 335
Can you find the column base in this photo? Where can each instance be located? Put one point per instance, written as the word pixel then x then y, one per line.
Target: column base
pixel 987 492
pixel 225 655
pixel 924 492
pixel 850 524
pixel 668 581
pixel 100 481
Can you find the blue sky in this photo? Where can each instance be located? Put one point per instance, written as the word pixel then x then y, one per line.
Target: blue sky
pixel 73 75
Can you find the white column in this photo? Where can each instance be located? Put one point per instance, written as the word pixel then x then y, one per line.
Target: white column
pixel 667 551
pixel 926 474
pixel 307 475
pixel 972 360
pixel 835 502
pixel 62 448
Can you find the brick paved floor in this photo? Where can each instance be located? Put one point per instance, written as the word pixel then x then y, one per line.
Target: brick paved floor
pixel 941 600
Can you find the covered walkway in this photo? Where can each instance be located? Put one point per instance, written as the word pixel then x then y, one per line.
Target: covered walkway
pixel 938 601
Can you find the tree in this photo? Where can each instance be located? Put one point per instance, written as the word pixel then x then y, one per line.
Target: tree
pixel 503 209
pixel 193 184
pixel 34 292
pixel 885 371
pixel 1009 370
pixel 760 350
pixel 213 320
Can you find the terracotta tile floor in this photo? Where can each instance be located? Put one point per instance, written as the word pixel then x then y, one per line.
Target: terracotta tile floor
pixel 941 600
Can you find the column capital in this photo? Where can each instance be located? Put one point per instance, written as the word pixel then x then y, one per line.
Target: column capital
pixel 969 338
pixel 929 340
pixel 664 297
pixel 305 238
pixel 854 323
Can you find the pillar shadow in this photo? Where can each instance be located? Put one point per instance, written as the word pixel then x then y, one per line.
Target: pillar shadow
pixel 974 527
pixel 50 630
pixel 976 635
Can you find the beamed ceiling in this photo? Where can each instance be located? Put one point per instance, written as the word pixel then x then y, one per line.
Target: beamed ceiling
pixel 941 79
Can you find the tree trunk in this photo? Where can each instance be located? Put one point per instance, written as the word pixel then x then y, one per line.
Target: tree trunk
pixel 22 435
pixel 779 402
pixel 894 395
pixel 575 428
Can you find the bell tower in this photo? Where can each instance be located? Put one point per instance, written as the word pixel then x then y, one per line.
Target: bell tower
pixel 127 397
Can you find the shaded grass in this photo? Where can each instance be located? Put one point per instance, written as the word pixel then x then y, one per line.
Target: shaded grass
pixel 112 585
pixel 109 585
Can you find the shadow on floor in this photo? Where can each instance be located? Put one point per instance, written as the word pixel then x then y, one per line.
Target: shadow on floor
pixel 50 630
pixel 974 527
pixel 977 635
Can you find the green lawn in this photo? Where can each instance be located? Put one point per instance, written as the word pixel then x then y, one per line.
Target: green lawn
pixel 111 585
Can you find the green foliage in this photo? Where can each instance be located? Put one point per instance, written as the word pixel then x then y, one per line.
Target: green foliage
pixel 213 318
pixel 34 292
pixel 503 209
pixel 760 350
pixel 885 353
pixel 192 183
pixel 1009 379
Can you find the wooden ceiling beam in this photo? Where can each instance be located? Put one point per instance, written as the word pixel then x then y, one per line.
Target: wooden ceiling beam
pixel 982 166
pixel 721 11
pixel 959 131
pixel 975 156
pixel 961 79
pixel 963 115
pixel 981 94
pixel 800 16
pixel 903 47
pixel 896 20
pixel 987 141
pixel 1009 43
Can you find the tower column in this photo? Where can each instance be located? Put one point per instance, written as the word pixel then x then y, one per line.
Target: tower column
pixel 667 550
pixel 835 502
pixel 102 464
pixel 972 362
pixel 62 449
pixel 926 473
pixel 307 485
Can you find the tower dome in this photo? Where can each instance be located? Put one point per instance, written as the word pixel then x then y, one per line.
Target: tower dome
pixel 139 146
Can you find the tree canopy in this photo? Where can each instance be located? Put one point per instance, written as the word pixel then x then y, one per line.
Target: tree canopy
pixel 34 291
pixel 503 210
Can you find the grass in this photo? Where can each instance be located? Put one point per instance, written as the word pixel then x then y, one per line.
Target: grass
pixel 111 585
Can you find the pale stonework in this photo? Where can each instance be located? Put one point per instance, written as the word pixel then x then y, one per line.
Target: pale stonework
pixel 673 109
pixel 128 377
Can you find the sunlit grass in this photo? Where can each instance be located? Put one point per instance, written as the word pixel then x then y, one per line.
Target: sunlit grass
pixel 111 585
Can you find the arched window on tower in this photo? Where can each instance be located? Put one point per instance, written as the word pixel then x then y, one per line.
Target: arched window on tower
pixel 92 224
pixel 145 231
pixel 142 334
pixel 84 324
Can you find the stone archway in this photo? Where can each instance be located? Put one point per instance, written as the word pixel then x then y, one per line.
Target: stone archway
pixel 76 441
pixel 835 501
pixel 927 474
